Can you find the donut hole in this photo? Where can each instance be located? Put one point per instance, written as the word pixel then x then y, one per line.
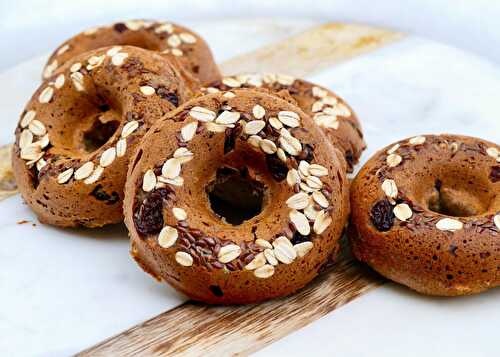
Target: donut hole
pixel 99 133
pixel 458 199
pixel 234 196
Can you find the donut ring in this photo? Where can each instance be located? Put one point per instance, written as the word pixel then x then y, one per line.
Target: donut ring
pixel 248 135
pixel 78 130
pixel 328 110
pixel 172 40
pixel 426 214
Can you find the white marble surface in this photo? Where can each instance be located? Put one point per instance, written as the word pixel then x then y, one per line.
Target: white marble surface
pixel 63 290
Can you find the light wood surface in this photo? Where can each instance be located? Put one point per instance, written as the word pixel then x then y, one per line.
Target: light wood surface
pixel 200 330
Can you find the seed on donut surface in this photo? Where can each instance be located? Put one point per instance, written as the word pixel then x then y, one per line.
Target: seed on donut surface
pixel 290 144
pixel 496 220
pixel 285 79
pixel 129 128
pixel 326 121
pixel 320 199
pixel 84 171
pixel 283 250
pixel 167 237
pixel 149 181
pixel 228 253
pixel 202 114
pixel 329 100
pixel 119 58
pixel 275 123
pixel 31 152
pixel 174 40
pixel 258 111
pixel 254 126
pixel 95 61
pixel 289 118
pixel 264 271
pixel 121 147
pixel 270 257
pixel 40 164
pixel 390 189
pixel 227 117
pixel 25 139
pixel 43 142
pixel 49 69
pixel 94 176
pixel 268 146
pixel 217 128
pixel 281 154
pixel 113 51
pixel 319 92
pixel 64 176
pixel 229 95
pixel 46 95
pixel 231 82
pixel 147 90
pixel 314 182
pixel 317 106
pixel 402 212
pixel 59 82
pixel 393 149
pixel 75 67
pixel 394 160
pixel 263 243
pixel 62 49
pixel 449 224
pixel 300 222
pixel 184 259
pixel 179 213
pixel 77 79
pixel 187 38
pixel 304 168
pixel 183 155
pixel 188 131
pixel 37 127
pixel 134 25
pixel 298 201
pixel 311 212
pixel 256 262
pixel 91 31
pixel 254 140
pixel 493 152
pixel 323 220
pixel 303 248
pixel 417 140
pixel 318 170
pixel 27 118
pixel 339 109
pixel 171 168
pixel 107 157
pixel 176 52
pixel 292 177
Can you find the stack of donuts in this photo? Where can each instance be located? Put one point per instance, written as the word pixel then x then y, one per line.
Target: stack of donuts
pixel 234 189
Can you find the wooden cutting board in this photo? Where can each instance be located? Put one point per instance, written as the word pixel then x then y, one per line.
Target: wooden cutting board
pixel 198 329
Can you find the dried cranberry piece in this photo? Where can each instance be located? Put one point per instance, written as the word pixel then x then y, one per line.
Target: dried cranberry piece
pixel 277 167
pixel 495 174
pixel 307 153
pixel 120 27
pixel 149 218
pixel 163 93
pixel 102 195
pixel 382 216
pixel 230 136
pixel 299 238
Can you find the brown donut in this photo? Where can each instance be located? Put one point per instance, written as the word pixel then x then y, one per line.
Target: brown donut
pixel 426 214
pixel 78 130
pixel 214 200
pixel 172 40
pixel 328 110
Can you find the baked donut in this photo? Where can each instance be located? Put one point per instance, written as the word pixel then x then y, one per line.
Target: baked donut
pixel 327 109
pixel 172 40
pixel 78 130
pixel 426 214
pixel 235 197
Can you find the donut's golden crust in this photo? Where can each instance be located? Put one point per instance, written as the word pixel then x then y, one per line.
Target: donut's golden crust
pixel 228 284
pixel 68 105
pixel 170 40
pixel 329 111
pixel 456 252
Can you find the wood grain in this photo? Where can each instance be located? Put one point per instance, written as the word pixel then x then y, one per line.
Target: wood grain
pixel 194 329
